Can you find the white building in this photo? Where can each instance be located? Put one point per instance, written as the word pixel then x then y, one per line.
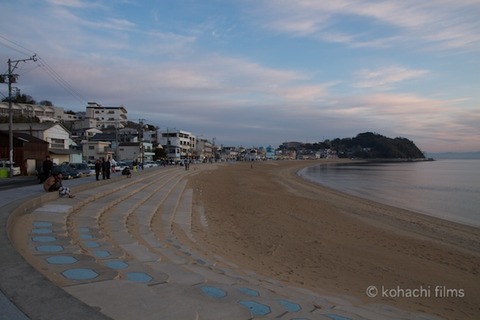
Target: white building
pixel 178 144
pixel 107 117
pixel 138 151
pixel 57 136
pixel 93 150
pixel 44 113
pixel 204 150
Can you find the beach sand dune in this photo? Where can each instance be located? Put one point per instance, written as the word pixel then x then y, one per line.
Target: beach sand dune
pixel 265 218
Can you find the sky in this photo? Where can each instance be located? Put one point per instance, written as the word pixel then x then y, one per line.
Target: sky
pixel 258 72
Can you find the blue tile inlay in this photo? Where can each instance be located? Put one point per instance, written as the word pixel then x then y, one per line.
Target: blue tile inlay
pixel 83 230
pixel 213 292
pixel 85 236
pixel 42 231
pixel 250 292
pixel 101 253
pixel 42 224
pixel 80 274
pixel 139 277
pixel 61 260
pixel 44 239
pixel 256 308
pixel 117 265
pixel 52 248
pixel 336 317
pixel 92 244
pixel 290 306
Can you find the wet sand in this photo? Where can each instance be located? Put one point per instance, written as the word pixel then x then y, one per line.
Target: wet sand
pixel 263 217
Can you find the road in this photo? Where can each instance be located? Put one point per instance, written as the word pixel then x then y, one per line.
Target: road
pixel 17 182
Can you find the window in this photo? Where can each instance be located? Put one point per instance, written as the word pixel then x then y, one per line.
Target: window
pixel 58 143
pixel 91 147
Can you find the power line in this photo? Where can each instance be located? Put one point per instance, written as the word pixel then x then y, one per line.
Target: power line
pixel 59 80
pixel 45 67
pixel 30 52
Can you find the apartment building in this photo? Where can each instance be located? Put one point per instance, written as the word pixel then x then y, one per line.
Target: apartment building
pixel 44 113
pixel 178 144
pixel 107 117
pixel 204 150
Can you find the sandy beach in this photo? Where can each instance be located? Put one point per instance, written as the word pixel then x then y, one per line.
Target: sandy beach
pixel 265 218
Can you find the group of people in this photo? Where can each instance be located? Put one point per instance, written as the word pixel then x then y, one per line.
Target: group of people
pixel 105 168
pixel 52 180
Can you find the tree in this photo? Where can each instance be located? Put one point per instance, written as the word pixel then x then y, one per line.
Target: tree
pixel 21 98
pixel 369 145
pixel 46 103
pixel 160 153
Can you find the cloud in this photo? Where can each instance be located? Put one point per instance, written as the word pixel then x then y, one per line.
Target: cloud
pixel 238 91
pixel 386 78
pixel 432 122
pixel 71 3
pixel 441 24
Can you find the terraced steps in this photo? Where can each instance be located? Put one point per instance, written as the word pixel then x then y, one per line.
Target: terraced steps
pixel 127 248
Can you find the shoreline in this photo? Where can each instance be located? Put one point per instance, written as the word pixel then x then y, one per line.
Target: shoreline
pixel 465 220
pixel 265 217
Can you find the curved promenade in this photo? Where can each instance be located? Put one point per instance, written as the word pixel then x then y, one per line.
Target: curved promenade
pixel 126 249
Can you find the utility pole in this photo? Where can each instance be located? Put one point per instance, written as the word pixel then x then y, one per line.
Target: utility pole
pixel 142 147
pixel 116 140
pixel 12 78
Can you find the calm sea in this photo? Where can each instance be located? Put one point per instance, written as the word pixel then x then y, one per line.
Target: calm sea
pixel 447 189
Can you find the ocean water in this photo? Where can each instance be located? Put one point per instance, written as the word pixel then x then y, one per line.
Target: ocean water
pixel 447 189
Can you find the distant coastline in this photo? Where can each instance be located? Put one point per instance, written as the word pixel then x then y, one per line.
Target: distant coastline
pixel 394 160
pixel 453 155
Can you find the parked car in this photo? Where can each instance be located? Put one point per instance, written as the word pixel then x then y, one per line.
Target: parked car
pixel 149 164
pixel 120 166
pixel 5 164
pixel 66 171
pixel 82 168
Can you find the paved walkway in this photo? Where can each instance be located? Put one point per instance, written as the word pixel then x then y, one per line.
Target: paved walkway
pixel 124 249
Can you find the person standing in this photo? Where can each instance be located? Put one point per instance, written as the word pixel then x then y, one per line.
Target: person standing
pixel 47 168
pixel 109 167
pixel 98 168
pixel 105 169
